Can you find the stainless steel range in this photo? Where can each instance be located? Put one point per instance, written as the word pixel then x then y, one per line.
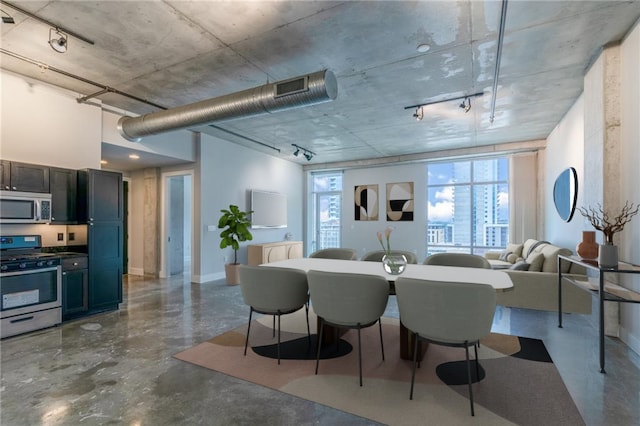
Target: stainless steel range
pixel 30 286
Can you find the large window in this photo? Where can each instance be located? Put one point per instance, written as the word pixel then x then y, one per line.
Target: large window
pixel 467 206
pixel 327 208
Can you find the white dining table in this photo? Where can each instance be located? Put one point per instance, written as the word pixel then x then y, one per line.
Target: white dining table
pixel 499 280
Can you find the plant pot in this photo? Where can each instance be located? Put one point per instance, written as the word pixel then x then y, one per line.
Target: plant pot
pixel 394 264
pixel 232 272
pixel 588 248
pixel 608 256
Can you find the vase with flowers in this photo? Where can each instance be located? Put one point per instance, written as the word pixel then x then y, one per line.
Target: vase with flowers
pixel 609 225
pixel 393 263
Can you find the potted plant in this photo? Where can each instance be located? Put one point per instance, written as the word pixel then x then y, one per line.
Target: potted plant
pixel 235 228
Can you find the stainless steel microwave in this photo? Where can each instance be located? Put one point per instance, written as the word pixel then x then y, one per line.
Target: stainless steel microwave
pixel 25 207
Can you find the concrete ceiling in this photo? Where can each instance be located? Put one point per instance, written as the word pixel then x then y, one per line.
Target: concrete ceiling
pixel 173 53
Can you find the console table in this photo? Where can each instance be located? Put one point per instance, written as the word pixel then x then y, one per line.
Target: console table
pixel 604 290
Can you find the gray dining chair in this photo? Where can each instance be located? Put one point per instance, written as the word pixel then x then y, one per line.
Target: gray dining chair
pixel 336 253
pixel 274 291
pixel 351 301
pixel 446 313
pixel 464 260
pixel 377 255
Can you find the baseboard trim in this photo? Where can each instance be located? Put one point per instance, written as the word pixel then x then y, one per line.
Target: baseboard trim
pixel 135 271
pixel 206 278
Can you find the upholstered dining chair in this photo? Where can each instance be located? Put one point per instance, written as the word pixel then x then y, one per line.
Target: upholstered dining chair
pixel 344 300
pixel 446 313
pixel 274 291
pixel 376 256
pixel 457 259
pixel 336 253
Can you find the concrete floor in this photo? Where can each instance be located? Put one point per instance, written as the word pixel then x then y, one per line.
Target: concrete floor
pixel 117 368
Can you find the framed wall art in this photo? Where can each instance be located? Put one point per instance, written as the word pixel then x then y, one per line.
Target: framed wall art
pixel 366 202
pixel 400 204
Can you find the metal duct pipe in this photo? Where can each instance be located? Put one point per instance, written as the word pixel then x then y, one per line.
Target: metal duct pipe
pixel 305 90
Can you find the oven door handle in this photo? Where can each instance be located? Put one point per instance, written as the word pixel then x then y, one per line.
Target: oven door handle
pixel 30 271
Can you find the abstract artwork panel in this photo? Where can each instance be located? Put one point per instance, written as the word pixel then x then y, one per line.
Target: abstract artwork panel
pixel 400 202
pixel 366 202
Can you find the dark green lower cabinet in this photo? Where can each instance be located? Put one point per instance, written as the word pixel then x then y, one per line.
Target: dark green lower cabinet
pixel 75 287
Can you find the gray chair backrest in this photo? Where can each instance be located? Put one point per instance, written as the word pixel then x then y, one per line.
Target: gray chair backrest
pixel 336 253
pixel 376 256
pixel 457 259
pixel 348 299
pixel 270 288
pixel 446 311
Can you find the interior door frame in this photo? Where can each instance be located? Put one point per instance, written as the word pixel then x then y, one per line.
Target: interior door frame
pixel 164 219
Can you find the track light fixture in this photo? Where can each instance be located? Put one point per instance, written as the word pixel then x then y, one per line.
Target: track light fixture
pixel 419 114
pixel 307 154
pixel 466 104
pixel 58 40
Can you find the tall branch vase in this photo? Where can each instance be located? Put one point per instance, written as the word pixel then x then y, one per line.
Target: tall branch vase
pixel 608 256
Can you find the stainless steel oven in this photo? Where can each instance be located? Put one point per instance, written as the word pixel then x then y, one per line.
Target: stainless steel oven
pixel 30 286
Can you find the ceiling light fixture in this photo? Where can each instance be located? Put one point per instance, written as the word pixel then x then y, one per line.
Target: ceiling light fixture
pixel 466 104
pixel 134 156
pixel 307 154
pixel 58 40
pixel 423 47
pixel 419 114
pixel 8 19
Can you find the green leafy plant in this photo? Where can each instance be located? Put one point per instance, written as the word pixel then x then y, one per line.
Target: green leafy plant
pixel 236 229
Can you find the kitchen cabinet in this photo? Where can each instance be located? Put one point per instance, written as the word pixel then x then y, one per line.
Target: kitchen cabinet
pixel 63 184
pixel 5 174
pixel 75 286
pixel 101 208
pixel 29 177
pixel 272 252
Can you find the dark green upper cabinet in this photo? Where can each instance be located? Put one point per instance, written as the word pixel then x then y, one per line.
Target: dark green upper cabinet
pixel 64 195
pixel 29 177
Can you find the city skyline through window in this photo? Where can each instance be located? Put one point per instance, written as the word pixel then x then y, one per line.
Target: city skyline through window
pixel 467 206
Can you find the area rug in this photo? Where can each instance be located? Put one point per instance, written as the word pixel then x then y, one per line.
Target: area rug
pixel 518 382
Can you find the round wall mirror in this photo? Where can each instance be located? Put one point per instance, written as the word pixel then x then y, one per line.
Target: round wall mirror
pixel 565 193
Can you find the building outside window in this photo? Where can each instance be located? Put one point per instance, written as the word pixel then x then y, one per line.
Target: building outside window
pixel 467 206
pixel 327 207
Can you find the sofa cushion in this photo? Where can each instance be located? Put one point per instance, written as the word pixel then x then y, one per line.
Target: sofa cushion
pixel 551 253
pixel 515 249
pixel 535 261
pixel 520 266
pixel 526 247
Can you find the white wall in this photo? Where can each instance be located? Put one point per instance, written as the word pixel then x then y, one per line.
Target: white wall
pixel 227 173
pixel 46 125
pixel 565 148
pixel 361 235
pixel 629 240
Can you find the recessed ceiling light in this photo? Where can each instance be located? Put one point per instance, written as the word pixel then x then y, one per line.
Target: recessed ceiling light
pixel 134 156
pixel 104 162
pixel 423 47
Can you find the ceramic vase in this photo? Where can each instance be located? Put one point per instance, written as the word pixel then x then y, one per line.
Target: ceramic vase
pixel 394 264
pixel 588 248
pixel 608 256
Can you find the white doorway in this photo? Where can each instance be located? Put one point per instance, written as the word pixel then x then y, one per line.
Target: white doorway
pixel 177 223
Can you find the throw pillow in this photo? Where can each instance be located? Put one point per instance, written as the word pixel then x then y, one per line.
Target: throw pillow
pixel 513 258
pixel 520 266
pixel 535 261
pixel 504 256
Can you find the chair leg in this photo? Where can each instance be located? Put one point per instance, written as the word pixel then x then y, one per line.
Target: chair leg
pixel 381 342
pixel 246 341
pixel 306 308
pixel 278 337
pixel 477 362
pixel 415 359
pixel 466 350
pixel 319 343
pixel 359 355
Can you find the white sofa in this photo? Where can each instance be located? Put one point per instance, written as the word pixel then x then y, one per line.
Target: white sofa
pixel 533 268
